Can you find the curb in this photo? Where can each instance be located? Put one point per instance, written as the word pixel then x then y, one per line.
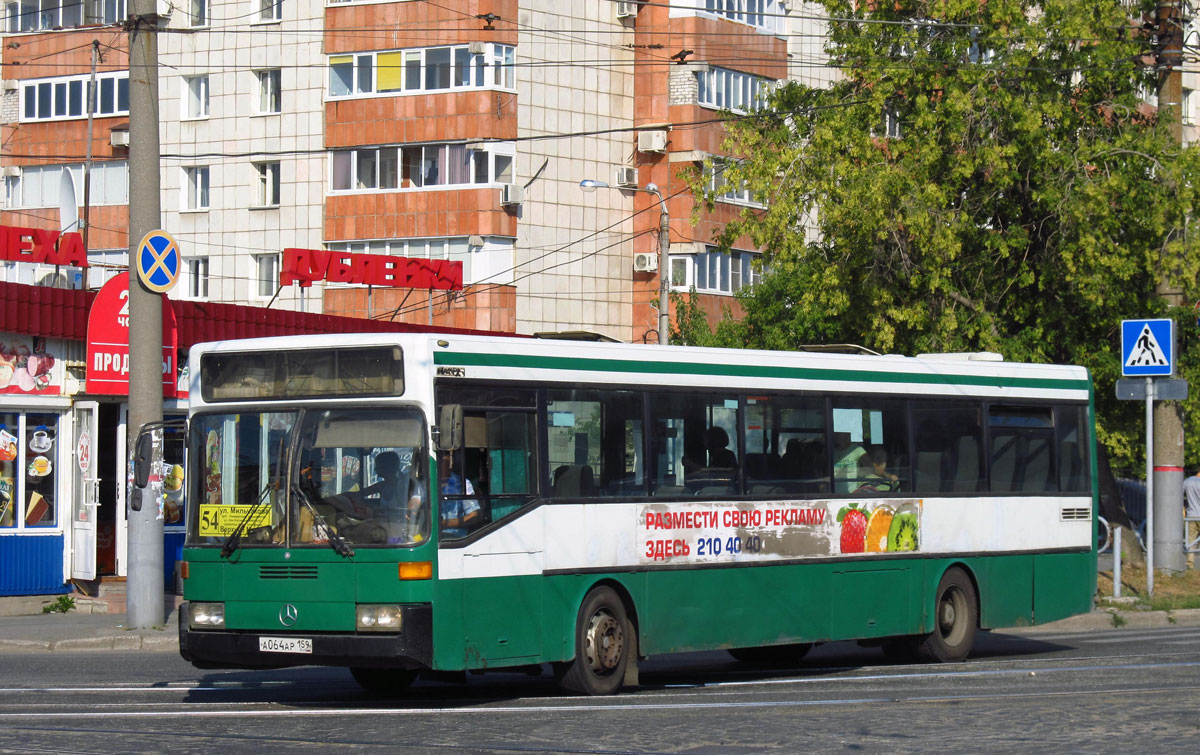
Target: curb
pixel 84 644
pixel 1115 618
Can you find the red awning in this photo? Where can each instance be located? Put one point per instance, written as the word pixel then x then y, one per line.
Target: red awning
pixel 63 313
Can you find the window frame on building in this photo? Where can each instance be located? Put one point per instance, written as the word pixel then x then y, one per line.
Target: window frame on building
pixel 727 89
pixel 368 169
pixel 195 97
pixel 44 96
pixel 196 194
pixel 17 189
pixel 270 11
pixel 481 262
pixel 266 276
pixel 268 184
pixel 197 277
pixel 762 15
pixel 270 91
pixel 715 272
pixel 198 13
pixel 357 74
pixel 46 15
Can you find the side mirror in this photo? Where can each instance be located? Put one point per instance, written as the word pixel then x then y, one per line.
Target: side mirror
pixel 143 457
pixel 450 427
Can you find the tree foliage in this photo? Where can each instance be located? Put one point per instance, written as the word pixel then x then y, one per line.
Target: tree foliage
pixel 981 176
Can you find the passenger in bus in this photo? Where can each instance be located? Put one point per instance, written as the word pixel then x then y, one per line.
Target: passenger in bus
pixel 458 515
pixel 846 454
pixel 722 463
pixel 873 476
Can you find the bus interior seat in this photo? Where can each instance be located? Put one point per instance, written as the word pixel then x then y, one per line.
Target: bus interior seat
pixel 574 481
pixel 967 478
pixel 762 466
pixel 670 491
pixel 929 471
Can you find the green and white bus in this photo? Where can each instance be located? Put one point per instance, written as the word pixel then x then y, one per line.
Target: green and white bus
pixel 395 503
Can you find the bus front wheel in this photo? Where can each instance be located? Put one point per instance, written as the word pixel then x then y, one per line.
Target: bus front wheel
pixel 601 646
pixel 956 614
pixel 384 681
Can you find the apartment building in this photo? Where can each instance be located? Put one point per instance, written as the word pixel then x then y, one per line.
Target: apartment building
pixel 457 131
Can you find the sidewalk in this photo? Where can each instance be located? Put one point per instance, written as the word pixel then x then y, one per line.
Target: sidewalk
pixel 72 632
pixel 76 631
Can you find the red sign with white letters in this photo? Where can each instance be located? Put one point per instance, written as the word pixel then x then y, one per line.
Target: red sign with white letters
pixel 108 341
pixel 304 266
pixel 42 246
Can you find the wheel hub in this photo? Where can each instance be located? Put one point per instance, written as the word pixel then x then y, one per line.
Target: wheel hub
pixel 605 642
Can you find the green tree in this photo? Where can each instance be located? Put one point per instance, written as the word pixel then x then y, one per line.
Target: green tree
pixel 981 176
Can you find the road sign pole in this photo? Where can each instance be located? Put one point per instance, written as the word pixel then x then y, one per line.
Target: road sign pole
pixel 1149 486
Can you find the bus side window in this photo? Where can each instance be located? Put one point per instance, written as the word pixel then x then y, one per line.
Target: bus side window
pixel 594 439
pixel 949 447
pixel 1021 439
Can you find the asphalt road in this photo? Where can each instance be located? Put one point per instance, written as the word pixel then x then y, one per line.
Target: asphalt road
pixel 1124 690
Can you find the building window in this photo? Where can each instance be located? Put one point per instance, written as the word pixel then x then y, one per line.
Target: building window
pixel 1188 104
pixel 488 260
pixel 714 272
pixel 731 90
pixel 766 15
pixel 421 166
pixel 39 185
pixel 195 96
pixel 198 13
pixel 268 184
pixel 195 179
pixel 29 470
pixel 269 89
pixel 198 277
pixel 428 69
pixel 266 278
pixel 65 97
pixel 270 10
pixel 725 190
pixel 32 15
pixel 889 122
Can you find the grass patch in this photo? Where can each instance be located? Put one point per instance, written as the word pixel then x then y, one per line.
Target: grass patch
pixel 1118 620
pixel 1171 592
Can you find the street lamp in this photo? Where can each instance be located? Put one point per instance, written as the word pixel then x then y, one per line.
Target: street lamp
pixel 664 247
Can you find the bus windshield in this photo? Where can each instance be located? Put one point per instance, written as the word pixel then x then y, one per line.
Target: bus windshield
pixel 308 477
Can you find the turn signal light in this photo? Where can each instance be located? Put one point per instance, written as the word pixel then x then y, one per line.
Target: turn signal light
pixel 416 570
pixel 183 570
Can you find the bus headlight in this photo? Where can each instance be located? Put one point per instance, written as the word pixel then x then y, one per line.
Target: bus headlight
pixel 206 616
pixel 378 618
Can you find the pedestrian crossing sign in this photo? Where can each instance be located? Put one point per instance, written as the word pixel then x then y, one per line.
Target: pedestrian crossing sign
pixel 1147 348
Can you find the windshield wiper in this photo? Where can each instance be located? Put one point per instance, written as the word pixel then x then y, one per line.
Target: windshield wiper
pixel 336 541
pixel 235 538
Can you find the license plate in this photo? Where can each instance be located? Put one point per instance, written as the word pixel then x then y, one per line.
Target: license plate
pixel 284 645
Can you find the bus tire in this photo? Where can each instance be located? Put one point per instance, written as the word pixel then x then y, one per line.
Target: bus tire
pixel 955 615
pixel 601 646
pixel 384 681
pixel 776 656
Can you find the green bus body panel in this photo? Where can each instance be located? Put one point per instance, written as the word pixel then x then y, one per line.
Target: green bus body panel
pixel 1056 579
pixel 1005 586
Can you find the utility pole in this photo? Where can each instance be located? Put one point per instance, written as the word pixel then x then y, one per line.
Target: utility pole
pixel 1168 415
pixel 146 576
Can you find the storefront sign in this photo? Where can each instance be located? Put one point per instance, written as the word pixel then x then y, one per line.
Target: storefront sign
pixel 42 246
pixel 108 341
pixel 84 452
pixel 304 266
pixel 27 367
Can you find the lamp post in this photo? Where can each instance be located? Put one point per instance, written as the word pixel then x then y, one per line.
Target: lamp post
pixel 664 248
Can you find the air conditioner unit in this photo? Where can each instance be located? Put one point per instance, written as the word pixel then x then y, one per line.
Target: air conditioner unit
pixel 512 194
pixel 476 48
pixel 12 170
pixel 11 85
pixel 626 177
pixel 645 262
pixel 119 138
pixel 475 241
pixel 627 9
pixel 652 141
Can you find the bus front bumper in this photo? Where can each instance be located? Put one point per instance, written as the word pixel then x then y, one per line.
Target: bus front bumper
pixel 216 649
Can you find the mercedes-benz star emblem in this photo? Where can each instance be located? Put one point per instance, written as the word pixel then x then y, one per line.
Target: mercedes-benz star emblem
pixel 288 614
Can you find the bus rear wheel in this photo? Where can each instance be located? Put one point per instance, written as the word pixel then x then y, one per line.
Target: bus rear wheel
pixel 601 646
pixel 384 681
pixel 778 656
pixel 956 613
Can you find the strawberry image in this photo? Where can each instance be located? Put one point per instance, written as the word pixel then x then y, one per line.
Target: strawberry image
pixel 854 529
